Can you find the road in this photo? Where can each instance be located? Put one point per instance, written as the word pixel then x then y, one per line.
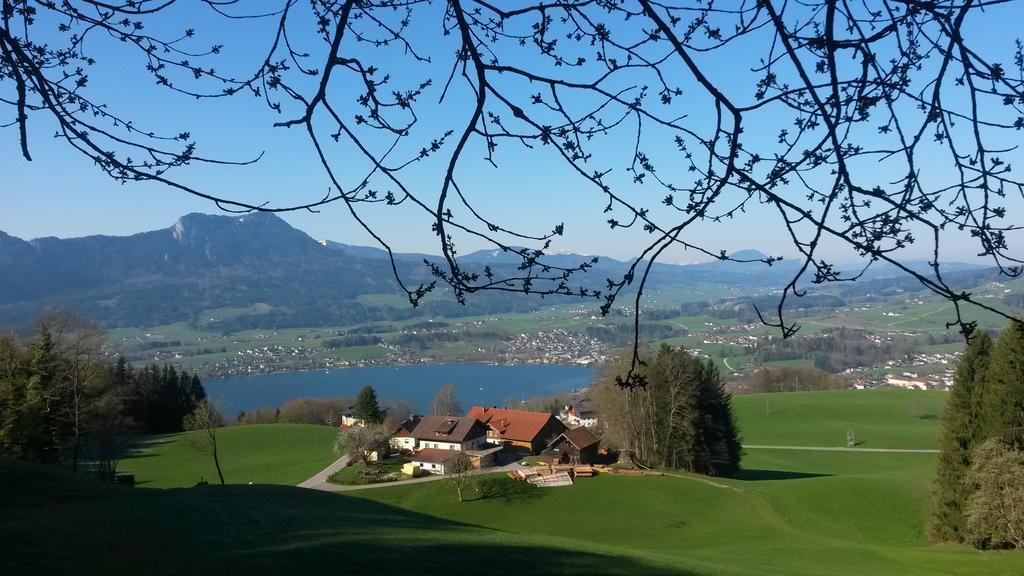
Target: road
pixel 925 315
pixel 319 482
pixel 321 477
pixel 842 449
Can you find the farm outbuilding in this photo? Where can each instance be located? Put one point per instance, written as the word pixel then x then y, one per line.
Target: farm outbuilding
pixel 433 460
pixel 577 446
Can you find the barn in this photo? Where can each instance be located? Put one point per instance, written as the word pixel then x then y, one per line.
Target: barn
pixel 576 446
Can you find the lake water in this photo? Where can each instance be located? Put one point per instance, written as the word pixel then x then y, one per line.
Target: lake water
pixel 475 384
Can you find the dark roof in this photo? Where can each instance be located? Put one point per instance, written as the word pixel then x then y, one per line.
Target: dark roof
pixel 582 408
pixel 513 424
pixel 448 429
pixel 406 427
pixel 434 455
pixel 580 437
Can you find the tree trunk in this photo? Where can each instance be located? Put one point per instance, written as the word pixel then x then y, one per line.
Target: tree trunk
pixel 74 453
pixel 216 462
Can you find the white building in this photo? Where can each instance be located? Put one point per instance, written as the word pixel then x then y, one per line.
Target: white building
pixel 579 414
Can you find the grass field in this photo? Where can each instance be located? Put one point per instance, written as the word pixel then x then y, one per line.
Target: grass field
pixel 879 418
pixel 260 453
pixel 789 512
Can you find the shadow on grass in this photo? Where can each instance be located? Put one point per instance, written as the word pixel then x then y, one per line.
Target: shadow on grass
pixel 754 475
pixel 507 490
pixel 262 529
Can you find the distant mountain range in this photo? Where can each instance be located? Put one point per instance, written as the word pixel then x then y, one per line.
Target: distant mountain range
pixel 206 262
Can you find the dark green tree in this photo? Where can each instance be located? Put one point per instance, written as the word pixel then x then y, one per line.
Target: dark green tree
pixel 38 420
pixel 719 445
pixel 1004 401
pixel 367 407
pixel 121 372
pixel 962 424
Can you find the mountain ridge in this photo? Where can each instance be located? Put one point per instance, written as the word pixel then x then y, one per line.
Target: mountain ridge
pixel 205 262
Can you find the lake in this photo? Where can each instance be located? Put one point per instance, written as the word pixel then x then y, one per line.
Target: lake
pixel 475 384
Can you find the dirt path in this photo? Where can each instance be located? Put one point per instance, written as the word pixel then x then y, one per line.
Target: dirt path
pixel 842 449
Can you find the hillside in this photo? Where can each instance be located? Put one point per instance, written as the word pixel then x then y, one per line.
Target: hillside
pixel 262 454
pixel 206 263
pixel 790 512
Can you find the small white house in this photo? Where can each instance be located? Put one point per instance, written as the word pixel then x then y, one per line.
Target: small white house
pixel 433 460
pixel 349 421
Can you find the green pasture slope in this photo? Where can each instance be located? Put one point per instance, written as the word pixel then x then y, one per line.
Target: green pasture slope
pixel 261 453
pixel 790 512
pixel 886 418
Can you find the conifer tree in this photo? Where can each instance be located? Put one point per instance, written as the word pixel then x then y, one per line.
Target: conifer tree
pixel 961 432
pixel 720 446
pixel 37 436
pixel 1004 401
pixel 367 408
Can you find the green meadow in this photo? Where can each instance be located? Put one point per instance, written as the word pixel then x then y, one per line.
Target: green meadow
pixel 790 512
pixel 261 454
pixel 885 418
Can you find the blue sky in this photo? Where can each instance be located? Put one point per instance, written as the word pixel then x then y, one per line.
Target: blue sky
pixel 61 194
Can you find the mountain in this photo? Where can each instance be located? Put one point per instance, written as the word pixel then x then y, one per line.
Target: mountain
pixel 209 263
pixel 200 263
pixel 374 253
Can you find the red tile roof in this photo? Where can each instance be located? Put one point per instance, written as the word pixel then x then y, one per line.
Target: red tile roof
pixel 518 425
pixel 434 455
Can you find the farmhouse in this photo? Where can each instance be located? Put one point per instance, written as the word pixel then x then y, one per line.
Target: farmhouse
pixel 579 414
pixel 527 431
pixel 449 433
pixel 350 421
pixel 576 446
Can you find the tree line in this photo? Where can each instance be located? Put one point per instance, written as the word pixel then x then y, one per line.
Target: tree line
pixel 979 487
pixel 835 349
pixel 682 419
pixel 787 379
pixel 63 401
